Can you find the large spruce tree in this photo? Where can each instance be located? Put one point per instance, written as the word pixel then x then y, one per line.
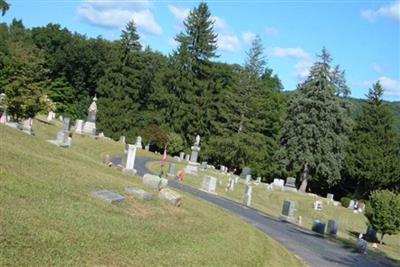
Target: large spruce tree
pixel 314 132
pixel 373 154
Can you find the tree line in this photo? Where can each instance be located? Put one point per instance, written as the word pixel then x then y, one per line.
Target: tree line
pixel 240 111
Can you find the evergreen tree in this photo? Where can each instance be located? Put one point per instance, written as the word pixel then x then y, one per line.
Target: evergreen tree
pixel 314 132
pixel 4 7
pixel 373 153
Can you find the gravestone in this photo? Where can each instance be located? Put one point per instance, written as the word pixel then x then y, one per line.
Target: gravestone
pixel 130 159
pixel 101 135
pixel 258 181
pixel 139 193
pixel 371 234
pixel 121 139
pixel 246 171
pixel 170 196
pixel 4 117
pixel 318 227
pixel 332 228
pixel 171 172
pixel 187 157
pixel 247 195
pixel 209 184
pixel 351 204
pixel 288 210
pixel 89 127
pixel 139 144
pixel 66 124
pixel 236 178
pixel 147 147
pixel 51 116
pixel 27 126
pixel 318 205
pixel 108 196
pixel 204 165
pixel 182 156
pixel 248 179
pixel 270 187
pixel 155 181
pixel 79 126
pixel 329 197
pixel 63 138
pixel 290 184
pixel 231 184
pixel 278 183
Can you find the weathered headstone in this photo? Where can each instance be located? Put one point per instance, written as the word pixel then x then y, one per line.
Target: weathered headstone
pixel 278 183
pixel 371 234
pixel 329 197
pixel 147 147
pixel 258 181
pixel 351 204
pixel 204 165
pixel 209 184
pixel 171 172
pixel 3 117
pixel 236 178
pixel 139 144
pixel 247 195
pixel 66 124
pixel 318 227
pixel 79 126
pixel 121 139
pixel 27 126
pixel 154 181
pixel 332 228
pixel 170 196
pixel 130 159
pixel 248 178
pixel 187 157
pixel 318 205
pixel 246 171
pixel 139 193
pixel 231 184
pixel 108 196
pixel 290 184
pixel 182 156
pixel 288 209
pixel 51 116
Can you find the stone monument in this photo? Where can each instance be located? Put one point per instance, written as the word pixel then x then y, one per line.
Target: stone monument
pixel 247 195
pixel 139 144
pixel 290 184
pixel 89 127
pixel 288 209
pixel 129 165
pixel 192 167
pixel 79 126
pixel 63 136
pixel 171 172
pixel 209 184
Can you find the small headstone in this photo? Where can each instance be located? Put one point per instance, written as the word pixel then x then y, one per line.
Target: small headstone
pixel 209 184
pixel 187 157
pixel 130 159
pixel 66 124
pixel 170 196
pixel 362 245
pixel 351 204
pixel 236 178
pixel 318 227
pixel 182 156
pixel 361 207
pixel 231 184
pixel 270 187
pixel 247 195
pixel 329 197
pixel 171 172
pixel 107 160
pixel 139 142
pixel 154 181
pixel 278 183
pixel 248 178
pixel 332 228
pixel 139 193
pixel 371 234
pixel 258 181
pixel 147 147
pixel 246 171
pixel 101 135
pixel 79 126
pixel 204 165
pixel 121 139
pixel 108 196
pixel 288 209
pixel 51 116
pixel 318 205
pixel 290 184
pixel 27 126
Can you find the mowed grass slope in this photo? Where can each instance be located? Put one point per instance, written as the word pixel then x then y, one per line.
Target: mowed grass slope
pixel 48 217
pixel 270 202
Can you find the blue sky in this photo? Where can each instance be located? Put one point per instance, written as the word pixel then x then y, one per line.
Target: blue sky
pixel 363 36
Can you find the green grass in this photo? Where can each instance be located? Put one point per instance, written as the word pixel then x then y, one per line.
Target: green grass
pixel 270 202
pixel 47 216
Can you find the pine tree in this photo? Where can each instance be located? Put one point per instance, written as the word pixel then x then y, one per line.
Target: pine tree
pixel 129 41
pixel 373 153
pixel 314 132
pixel 4 7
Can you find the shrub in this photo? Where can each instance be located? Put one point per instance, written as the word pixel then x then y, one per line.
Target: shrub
pixel 345 201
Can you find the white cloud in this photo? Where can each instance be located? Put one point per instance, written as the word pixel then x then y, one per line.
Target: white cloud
pixel 220 23
pixel 178 12
pixel 229 43
pixel 290 52
pixel 304 60
pixel 391 11
pixel 248 37
pixel 391 87
pixel 172 42
pixel 376 67
pixel 115 14
pixel 271 31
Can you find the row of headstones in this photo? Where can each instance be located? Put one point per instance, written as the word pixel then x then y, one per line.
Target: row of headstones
pixel 152 181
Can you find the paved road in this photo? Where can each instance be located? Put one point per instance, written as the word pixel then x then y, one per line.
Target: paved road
pixel 313 249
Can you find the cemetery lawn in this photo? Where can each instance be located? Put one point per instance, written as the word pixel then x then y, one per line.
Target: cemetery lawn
pixel 350 224
pixel 48 217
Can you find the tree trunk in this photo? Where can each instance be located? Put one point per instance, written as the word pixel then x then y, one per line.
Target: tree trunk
pixel 304 182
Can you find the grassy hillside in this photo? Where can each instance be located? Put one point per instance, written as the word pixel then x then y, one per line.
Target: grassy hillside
pixel 47 216
pixel 270 202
